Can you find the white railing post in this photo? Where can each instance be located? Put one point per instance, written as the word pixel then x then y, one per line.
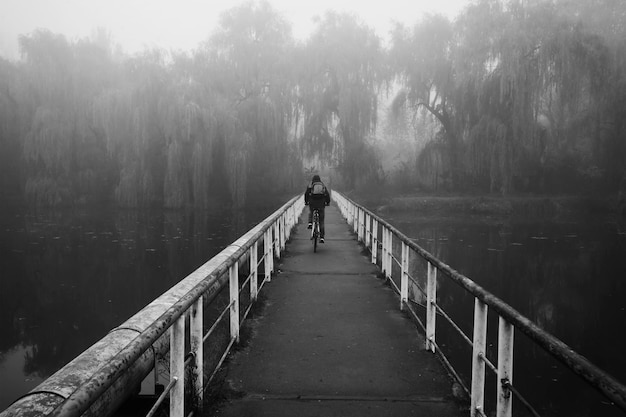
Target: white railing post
pixel 361 224
pixel 349 211
pixel 254 271
pixel 389 254
pixel 196 335
pixel 234 299
pixel 374 241
pixel 177 367
pixel 368 229
pixel 479 350
pixel 289 221
pixel 383 262
pixel 431 307
pixel 404 276
pixel 270 253
pixel 385 250
pixel 277 237
pixel 505 369
pixel 283 231
pixel 351 214
pixel 267 255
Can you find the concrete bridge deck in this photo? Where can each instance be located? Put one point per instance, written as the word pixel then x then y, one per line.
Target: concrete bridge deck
pixel 331 341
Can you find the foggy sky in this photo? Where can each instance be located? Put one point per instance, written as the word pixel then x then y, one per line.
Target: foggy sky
pixel 183 24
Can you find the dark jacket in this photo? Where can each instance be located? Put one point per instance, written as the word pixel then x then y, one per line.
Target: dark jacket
pixel 316 201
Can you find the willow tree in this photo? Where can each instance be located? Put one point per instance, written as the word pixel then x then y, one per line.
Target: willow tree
pixel 606 19
pixel 10 146
pixel 187 128
pixel 534 81
pixel 128 115
pixel 66 158
pixel 340 69
pixel 249 56
pixel 422 63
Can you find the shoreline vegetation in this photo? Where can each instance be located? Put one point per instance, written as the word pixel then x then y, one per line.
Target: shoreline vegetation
pixel 508 97
pixel 544 207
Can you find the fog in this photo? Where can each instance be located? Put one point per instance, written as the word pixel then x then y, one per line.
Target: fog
pixel 183 25
pixel 505 98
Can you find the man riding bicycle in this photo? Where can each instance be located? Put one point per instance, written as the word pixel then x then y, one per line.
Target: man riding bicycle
pixel 317 198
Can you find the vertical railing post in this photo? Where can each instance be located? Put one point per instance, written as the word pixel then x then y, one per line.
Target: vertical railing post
pixel 288 217
pixel 267 255
pixel 479 350
pixel 431 307
pixel 177 367
pixel 277 237
pixel 383 262
pixel 505 369
pixel 351 211
pixel 387 263
pixel 270 253
pixel 374 241
pixel 368 229
pixel 196 335
pixel 350 218
pixel 361 224
pixel 404 276
pixel 281 233
pixel 385 250
pixel 254 271
pixel 283 230
pixel 234 300
pixel 389 254
pixel 289 220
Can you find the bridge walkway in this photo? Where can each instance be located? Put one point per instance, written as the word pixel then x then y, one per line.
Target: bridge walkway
pixel 331 341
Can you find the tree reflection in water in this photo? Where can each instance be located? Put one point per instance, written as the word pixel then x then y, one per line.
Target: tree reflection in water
pixel 70 277
pixel 568 277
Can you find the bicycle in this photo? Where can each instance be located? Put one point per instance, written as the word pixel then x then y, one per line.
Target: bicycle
pixel 315 230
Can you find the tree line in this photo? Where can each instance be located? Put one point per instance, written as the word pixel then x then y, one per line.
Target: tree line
pixel 513 95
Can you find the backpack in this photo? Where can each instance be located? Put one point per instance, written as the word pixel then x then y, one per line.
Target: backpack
pixel 317 188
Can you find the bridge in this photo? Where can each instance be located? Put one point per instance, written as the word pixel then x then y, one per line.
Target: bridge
pixel 350 330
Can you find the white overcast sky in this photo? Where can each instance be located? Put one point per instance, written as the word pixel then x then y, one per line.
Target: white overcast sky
pixel 183 24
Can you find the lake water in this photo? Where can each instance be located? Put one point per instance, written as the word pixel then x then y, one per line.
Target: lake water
pixel 569 277
pixel 67 278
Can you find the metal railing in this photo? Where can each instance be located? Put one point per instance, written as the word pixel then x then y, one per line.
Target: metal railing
pixel 99 380
pixel 367 226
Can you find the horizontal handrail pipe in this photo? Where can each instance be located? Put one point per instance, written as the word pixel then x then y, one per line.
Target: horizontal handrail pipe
pixel 99 380
pixel 364 220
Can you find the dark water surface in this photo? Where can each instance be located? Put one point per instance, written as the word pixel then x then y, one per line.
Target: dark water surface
pixel 68 277
pixel 569 277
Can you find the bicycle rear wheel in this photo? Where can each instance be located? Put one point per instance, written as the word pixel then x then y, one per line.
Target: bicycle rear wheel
pixel 316 229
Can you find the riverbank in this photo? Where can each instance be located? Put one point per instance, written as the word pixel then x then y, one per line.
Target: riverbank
pixel 535 206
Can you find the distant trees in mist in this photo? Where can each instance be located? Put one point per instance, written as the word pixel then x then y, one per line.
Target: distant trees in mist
pixel 526 95
pixel 511 96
